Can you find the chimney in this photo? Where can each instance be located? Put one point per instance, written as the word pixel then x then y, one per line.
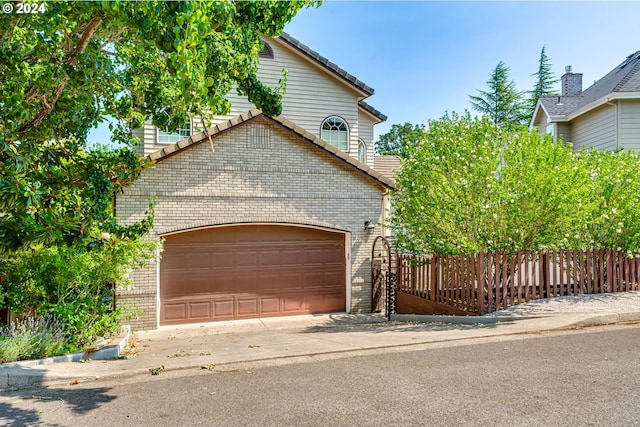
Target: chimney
pixel 571 82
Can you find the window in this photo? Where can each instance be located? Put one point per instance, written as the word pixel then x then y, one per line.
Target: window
pixel 266 52
pixel 171 138
pixel 334 130
pixel 551 130
pixel 362 152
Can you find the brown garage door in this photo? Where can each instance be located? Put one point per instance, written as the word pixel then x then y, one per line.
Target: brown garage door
pixel 246 271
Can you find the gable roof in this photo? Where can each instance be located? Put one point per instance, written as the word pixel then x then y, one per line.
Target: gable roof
pixel 281 121
pixel 373 111
pixel 326 64
pixel 623 78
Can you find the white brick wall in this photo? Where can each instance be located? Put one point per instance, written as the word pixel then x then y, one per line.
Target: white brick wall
pixel 292 181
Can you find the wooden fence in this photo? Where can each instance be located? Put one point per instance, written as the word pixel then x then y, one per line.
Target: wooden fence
pixel 494 281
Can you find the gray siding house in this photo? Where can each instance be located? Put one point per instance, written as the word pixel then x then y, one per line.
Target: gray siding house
pixel 606 115
pixel 263 216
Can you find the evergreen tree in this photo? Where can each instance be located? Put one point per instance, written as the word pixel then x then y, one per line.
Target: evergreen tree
pixel 545 80
pixel 502 103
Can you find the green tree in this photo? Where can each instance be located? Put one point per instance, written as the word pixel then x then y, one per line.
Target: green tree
pixel 502 103
pixel 65 70
pixel 545 80
pixel 472 186
pixel 400 139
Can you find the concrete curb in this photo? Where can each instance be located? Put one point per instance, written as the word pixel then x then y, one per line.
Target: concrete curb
pixel 607 319
pixel 463 320
pixel 16 374
pixel 591 320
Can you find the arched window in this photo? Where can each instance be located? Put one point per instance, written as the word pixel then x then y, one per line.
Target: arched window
pixel 180 134
pixel 266 52
pixel 362 151
pixel 334 130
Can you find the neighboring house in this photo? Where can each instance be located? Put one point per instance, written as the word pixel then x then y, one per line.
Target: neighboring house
pixel 604 116
pixel 263 216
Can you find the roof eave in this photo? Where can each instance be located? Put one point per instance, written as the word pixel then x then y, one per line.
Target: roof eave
pixel 613 96
pixel 363 90
pixel 372 112
pixel 539 106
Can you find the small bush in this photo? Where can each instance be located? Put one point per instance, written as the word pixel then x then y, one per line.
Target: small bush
pixel 74 284
pixel 32 338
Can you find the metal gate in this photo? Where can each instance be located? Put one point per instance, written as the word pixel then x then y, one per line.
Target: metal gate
pixel 383 277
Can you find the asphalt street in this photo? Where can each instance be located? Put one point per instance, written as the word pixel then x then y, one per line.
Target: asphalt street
pixel 583 377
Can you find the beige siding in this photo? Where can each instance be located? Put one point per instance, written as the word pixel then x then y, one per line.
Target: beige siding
pixel 564 132
pixel 148 138
pixel 365 127
pixel 596 129
pixel 311 96
pixel 288 181
pixel 629 124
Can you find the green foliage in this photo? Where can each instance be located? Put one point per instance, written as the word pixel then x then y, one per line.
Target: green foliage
pixel 75 284
pixel 473 186
pixel 32 338
pixel 502 103
pixel 58 193
pixel 545 80
pixel 400 140
pixel 62 72
pixel 614 190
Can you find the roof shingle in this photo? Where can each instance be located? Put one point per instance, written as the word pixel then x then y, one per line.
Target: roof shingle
pixel 623 78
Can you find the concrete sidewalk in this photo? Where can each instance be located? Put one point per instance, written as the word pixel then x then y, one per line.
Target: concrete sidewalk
pixel 263 342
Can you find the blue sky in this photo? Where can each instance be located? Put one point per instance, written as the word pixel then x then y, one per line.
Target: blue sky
pixel 424 58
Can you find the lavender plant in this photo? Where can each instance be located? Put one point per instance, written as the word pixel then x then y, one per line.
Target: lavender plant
pixel 32 338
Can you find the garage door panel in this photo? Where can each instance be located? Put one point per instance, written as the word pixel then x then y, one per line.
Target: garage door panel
pixel 269 257
pixel 269 306
pixel 334 257
pixel 270 282
pixel 199 261
pixel 223 308
pixel 200 310
pixel 175 312
pixel 222 259
pixel 291 257
pixel 251 271
pixel 173 261
pixel 293 304
pixel 247 259
pixel 248 307
pixel 333 279
pixel 246 282
pixel 313 280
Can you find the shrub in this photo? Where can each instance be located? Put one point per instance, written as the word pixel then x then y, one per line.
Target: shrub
pixel 471 186
pixel 32 338
pixel 75 284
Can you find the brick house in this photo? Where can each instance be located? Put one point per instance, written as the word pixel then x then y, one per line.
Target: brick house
pixel 606 115
pixel 263 216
